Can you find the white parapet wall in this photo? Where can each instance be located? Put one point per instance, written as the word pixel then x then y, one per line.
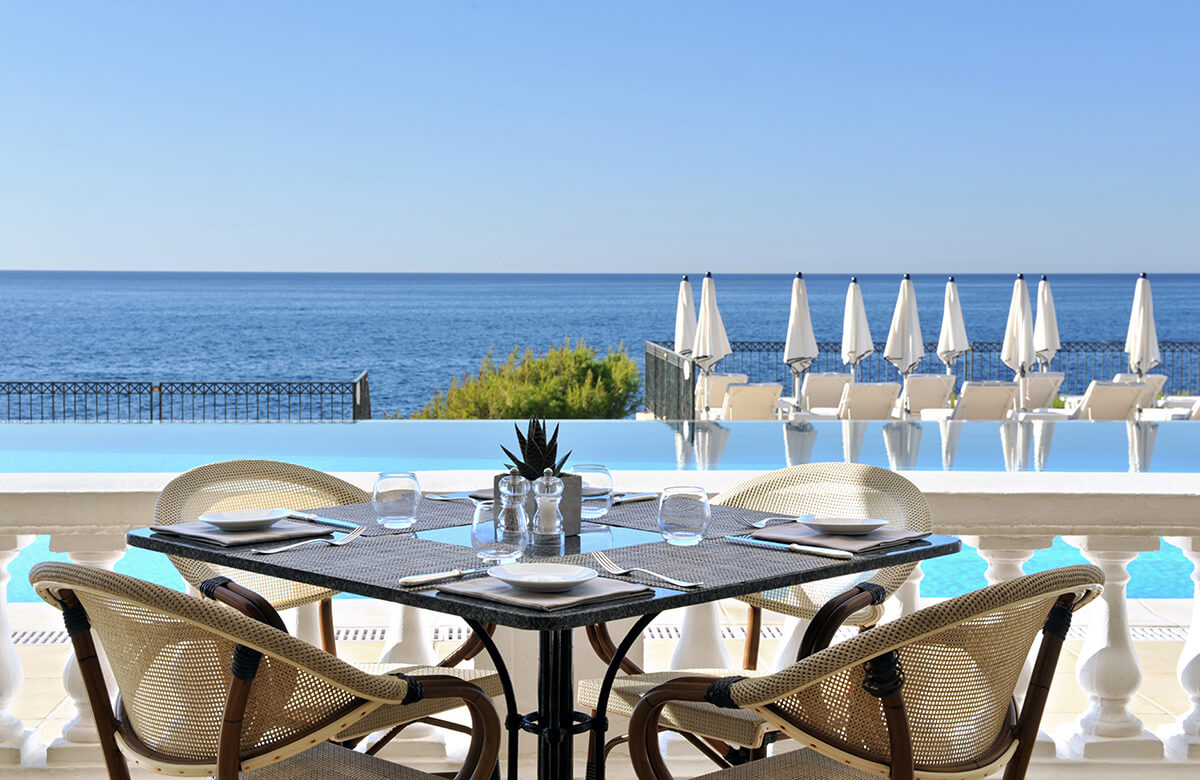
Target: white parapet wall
pixel 1111 518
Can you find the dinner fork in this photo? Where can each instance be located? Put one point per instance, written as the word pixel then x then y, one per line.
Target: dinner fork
pixel 350 537
pixel 762 521
pixel 607 564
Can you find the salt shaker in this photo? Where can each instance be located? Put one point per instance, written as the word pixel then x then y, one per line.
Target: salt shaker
pixel 548 524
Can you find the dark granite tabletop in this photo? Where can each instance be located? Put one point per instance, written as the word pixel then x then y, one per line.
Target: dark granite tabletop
pixel 372 565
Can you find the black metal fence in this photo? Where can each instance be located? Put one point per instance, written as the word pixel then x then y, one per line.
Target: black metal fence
pixel 1081 361
pixel 186 401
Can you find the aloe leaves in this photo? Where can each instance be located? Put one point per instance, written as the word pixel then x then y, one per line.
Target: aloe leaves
pixel 537 454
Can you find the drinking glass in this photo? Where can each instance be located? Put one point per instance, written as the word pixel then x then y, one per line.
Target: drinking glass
pixel 683 515
pixel 596 498
pixel 396 499
pixel 495 539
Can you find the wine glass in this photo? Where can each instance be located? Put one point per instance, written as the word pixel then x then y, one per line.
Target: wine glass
pixel 683 515
pixel 498 537
pixel 396 499
pixel 597 491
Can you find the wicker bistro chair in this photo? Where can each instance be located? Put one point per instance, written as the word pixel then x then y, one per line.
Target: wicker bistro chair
pixel 928 695
pixel 255 484
pixel 206 690
pixel 830 490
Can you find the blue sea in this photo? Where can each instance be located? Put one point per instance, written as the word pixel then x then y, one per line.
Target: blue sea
pixel 414 332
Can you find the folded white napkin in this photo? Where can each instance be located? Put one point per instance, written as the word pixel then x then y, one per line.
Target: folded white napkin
pixel 281 530
pixel 590 592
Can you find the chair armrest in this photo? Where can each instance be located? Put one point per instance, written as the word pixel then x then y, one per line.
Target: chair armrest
pixel 244 600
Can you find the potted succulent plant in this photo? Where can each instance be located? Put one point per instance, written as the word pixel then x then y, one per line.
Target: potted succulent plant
pixel 537 453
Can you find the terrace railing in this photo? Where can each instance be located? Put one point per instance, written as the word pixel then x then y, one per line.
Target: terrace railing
pixel 186 401
pixel 1081 361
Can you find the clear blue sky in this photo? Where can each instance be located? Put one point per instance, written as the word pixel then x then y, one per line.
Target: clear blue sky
pixel 642 136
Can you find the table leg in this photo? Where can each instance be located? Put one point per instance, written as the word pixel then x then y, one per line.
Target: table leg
pixel 556 700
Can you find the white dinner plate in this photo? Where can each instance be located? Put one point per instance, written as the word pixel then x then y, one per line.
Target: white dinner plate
pixel 542 577
pixel 245 519
pixel 844 526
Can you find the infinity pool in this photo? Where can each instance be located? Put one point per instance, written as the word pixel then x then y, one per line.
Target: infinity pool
pixel 1116 447
pixel 1171 447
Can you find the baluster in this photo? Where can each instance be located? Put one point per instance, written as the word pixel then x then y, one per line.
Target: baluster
pixel 1108 669
pixel 1183 737
pixel 1006 557
pixel 79 744
pixel 16 741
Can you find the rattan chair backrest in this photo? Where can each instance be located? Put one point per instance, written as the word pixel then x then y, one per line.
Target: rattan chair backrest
pixel 832 490
pixel 961 660
pixel 251 484
pixel 172 654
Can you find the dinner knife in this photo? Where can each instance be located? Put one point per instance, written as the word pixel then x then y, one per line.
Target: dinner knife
pixel 800 548
pixel 629 498
pixel 438 576
pixel 343 524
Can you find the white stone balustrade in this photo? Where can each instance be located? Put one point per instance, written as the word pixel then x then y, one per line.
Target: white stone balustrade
pixel 1112 518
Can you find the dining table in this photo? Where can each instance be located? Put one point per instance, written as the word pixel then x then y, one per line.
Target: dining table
pixel 373 564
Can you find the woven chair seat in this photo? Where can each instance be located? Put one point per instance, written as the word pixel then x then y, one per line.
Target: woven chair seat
pixel 330 762
pixel 801 764
pixel 389 715
pixel 740 727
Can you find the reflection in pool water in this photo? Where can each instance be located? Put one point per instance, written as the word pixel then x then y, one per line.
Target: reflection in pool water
pixel 1039 445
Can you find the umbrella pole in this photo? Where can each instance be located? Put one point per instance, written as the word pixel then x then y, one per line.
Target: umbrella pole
pixel 796 387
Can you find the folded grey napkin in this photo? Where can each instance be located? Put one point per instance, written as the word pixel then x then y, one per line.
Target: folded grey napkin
pixel 281 530
pixel 482 495
pixel 590 592
pixel 876 540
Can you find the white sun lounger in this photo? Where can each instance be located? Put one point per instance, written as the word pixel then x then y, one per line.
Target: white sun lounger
pixel 924 391
pixel 979 401
pixel 822 392
pixel 1102 401
pixel 717 383
pixel 1175 412
pixel 1040 387
pixel 754 401
pixel 859 401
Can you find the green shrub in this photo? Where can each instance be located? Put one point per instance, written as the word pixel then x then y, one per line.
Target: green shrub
pixel 564 383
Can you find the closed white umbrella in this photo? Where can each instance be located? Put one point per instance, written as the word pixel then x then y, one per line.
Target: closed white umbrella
pixel 856 333
pixel 952 340
pixel 1045 327
pixel 685 319
pixel 800 349
pixel 905 348
pixel 1017 350
pixel 711 345
pixel 1141 342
